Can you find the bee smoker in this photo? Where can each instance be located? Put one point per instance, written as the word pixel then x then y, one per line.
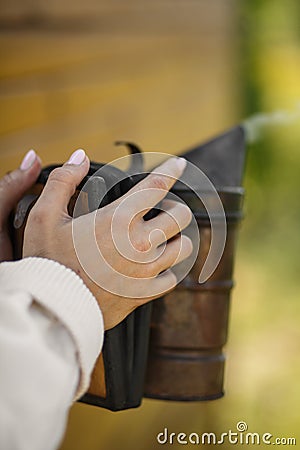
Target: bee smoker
pixel 187 327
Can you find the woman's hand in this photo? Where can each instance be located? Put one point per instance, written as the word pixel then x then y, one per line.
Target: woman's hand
pixel 129 245
pixel 12 188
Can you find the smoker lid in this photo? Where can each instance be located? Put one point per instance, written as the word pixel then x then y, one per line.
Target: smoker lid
pixel 221 159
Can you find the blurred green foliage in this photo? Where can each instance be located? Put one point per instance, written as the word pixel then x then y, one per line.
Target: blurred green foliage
pixel 270 79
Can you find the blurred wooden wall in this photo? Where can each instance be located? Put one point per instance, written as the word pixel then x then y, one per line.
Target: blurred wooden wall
pixel 85 73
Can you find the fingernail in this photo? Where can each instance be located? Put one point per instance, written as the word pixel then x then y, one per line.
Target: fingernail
pixel 28 160
pixel 181 163
pixel 77 157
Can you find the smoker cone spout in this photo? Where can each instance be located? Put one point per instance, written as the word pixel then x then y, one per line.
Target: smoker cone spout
pixel 189 325
pixel 221 159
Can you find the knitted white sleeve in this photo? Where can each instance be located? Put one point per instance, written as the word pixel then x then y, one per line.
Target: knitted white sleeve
pixel 61 292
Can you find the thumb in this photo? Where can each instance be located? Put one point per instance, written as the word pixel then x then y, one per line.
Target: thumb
pixel 14 184
pixel 62 183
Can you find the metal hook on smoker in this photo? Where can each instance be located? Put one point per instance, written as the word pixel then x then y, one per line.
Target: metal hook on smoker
pixel 137 163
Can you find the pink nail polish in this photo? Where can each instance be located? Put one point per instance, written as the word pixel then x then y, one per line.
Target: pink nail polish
pixel 77 157
pixel 28 160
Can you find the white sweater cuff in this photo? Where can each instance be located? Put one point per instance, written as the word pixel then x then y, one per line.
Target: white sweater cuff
pixel 64 294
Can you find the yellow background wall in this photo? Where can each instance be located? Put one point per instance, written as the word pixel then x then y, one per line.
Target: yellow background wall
pixel 159 73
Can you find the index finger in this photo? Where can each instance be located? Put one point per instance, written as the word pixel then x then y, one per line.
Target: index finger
pixel 150 191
